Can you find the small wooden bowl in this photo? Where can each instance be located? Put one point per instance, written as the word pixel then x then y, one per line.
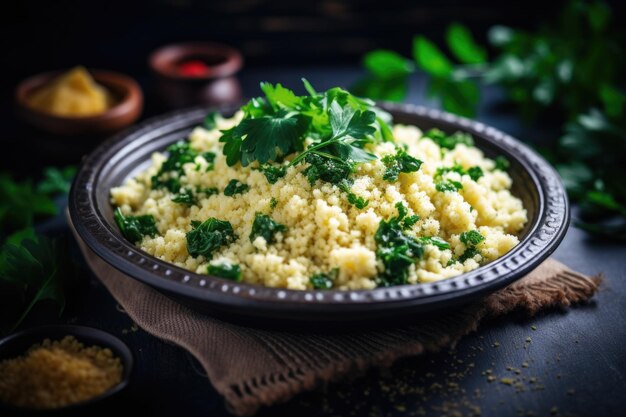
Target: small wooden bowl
pixel 127 108
pixel 217 86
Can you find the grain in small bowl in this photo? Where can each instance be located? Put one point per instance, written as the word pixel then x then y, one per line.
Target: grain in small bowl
pixel 61 369
pixel 123 107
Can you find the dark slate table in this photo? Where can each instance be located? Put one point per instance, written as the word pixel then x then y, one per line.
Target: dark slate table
pixel 559 363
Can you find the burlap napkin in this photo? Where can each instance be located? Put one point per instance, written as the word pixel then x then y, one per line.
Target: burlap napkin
pixel 252 367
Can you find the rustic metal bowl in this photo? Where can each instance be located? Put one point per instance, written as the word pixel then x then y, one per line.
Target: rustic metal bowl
pixel 534 181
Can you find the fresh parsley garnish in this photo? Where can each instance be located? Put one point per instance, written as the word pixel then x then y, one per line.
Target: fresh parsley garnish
pixel 265 227
pixel 400 162
pixel 171 170
pixel 326 169
pixel 209 236
pixel 134 228
pixel 474 172
pixel 397 250
pixel 449 141
pixel 225 270
pixel 273 173
pixel 448 185
pixel 338 123
pixel 502 163
pixel 324 281
pixel 470 239
pixel 235 187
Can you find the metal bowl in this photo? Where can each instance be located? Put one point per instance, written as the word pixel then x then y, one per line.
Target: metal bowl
pixel 534 181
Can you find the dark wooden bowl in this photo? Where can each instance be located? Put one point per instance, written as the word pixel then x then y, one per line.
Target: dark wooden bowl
pixel 127 108
pixel 535 182
pixel 217 86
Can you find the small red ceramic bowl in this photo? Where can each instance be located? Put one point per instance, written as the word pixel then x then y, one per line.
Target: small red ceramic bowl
pixel 196 73
pixel 127 106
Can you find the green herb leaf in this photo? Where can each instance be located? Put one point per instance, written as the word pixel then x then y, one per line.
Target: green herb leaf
pixel 207 237
pixel 449 141
pixel 264 139
pixel 327 169
pixel 134 228
pixel 400 162
pixel 38 267
pixel 235 187
pixel 430 58
pixel 397 250
pixel 210 121
pixel 21 204
pixel 472 238
pixel 436 241
pixel 56 181
pixel 463 46
pixel 265 227
pixel 448 185
pixel 387 64
pixel 273 173
pixel 324 281
pixel 502 163
pixel 186 197
pixel 225 270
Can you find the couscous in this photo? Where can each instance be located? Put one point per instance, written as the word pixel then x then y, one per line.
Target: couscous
pixel 321 191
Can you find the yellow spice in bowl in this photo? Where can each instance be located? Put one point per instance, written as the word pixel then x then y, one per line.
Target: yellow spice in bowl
pixel 74 93
pixel 55 374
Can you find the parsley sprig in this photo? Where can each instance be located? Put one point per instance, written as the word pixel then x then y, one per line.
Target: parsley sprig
pixel 278 124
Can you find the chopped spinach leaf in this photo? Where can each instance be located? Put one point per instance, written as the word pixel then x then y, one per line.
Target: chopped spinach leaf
pixel 134 228
pixel 273 173
pixel 207 237
pixel 273 203
pixel 235 187
pixel 323 281
pixel 225 270
pixel 185 197
pixel 265 227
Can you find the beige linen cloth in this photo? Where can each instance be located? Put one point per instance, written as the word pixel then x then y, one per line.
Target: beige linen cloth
pixel 254 367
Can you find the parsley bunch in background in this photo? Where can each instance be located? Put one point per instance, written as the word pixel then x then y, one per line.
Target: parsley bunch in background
pixel 33 267
pixel 571 69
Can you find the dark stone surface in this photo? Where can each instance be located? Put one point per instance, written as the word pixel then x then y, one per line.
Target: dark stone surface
pixel 576 360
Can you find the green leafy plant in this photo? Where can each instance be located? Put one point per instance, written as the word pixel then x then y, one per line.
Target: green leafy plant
pixel 571 69
pixel 235 187
pixel 33 268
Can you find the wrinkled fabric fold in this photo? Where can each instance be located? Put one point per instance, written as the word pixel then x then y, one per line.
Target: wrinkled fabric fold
pixel 253 367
